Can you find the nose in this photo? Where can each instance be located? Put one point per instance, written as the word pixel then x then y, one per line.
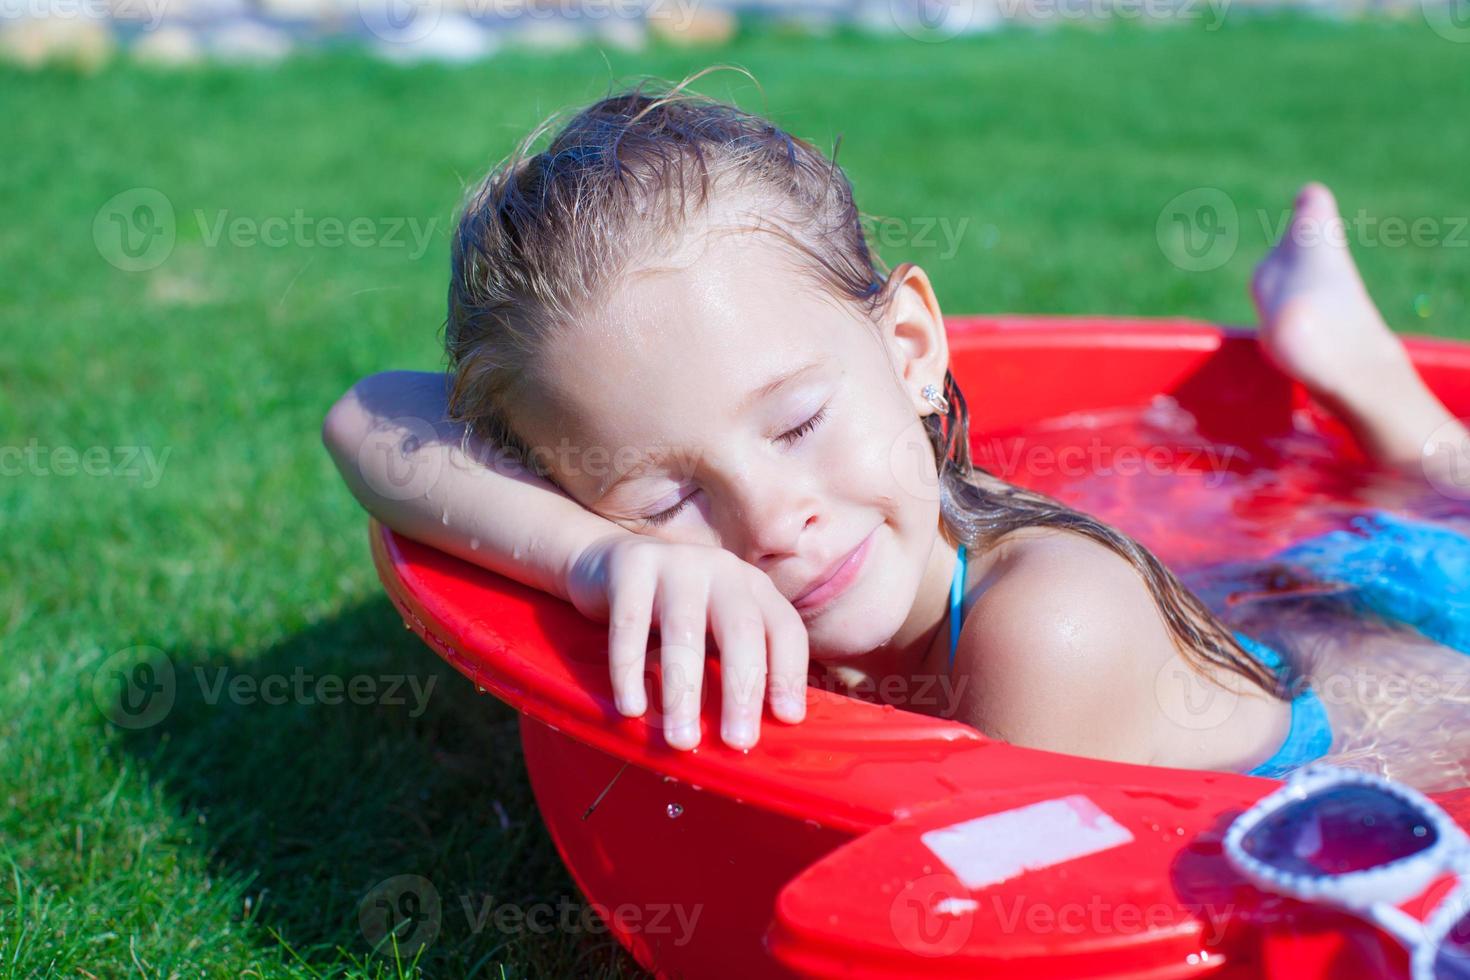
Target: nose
pixel 770 517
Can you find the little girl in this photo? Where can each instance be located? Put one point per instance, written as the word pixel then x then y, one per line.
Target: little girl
pixel 690 397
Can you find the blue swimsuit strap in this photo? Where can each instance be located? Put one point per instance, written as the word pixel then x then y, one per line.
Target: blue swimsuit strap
pixel 956 602
pixel 1310 735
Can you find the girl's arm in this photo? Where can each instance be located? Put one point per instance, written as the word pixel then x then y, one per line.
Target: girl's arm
pixel 425 478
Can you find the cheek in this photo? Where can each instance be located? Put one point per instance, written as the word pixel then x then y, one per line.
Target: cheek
pixel 884 456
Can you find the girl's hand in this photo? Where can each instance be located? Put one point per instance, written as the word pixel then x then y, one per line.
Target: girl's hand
pixel 633 581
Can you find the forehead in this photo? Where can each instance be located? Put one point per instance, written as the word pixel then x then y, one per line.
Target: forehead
pixel 692 338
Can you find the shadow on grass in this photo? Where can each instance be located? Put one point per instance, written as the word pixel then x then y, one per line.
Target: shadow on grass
pixel 351 781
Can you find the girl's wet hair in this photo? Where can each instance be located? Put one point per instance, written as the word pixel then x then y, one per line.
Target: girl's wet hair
pixel 547 234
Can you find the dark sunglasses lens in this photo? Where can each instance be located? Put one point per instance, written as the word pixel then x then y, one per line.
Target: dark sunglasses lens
pixel 1339 830
pixel 1452 962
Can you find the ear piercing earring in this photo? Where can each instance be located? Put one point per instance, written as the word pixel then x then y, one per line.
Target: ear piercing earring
pixel 936 398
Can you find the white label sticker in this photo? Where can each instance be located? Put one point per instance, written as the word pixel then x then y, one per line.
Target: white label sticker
pixel 997 846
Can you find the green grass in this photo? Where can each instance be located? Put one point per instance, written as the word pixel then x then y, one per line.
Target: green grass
pixel 235 838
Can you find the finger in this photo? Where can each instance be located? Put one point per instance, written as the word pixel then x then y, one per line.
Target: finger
pixel 789 654
pixel 681 618
pixel 630 598
pixel 740 630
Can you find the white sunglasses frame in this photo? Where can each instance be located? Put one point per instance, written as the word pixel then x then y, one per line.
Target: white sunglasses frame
pixel 1372 894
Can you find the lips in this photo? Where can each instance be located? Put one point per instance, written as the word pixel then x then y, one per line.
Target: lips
pixel 837 579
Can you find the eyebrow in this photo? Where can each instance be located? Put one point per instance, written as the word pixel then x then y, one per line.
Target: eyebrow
pixel 765 390
pixel 775 385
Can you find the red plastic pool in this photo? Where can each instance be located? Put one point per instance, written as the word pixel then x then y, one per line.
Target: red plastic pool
pixel 807 855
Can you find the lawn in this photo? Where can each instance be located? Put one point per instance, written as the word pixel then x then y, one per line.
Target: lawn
pixel 166 501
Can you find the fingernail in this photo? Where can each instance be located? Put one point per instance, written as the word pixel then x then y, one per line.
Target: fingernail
pixel 793 709
pixel 632 707
pixel 683 733
pixel 738 732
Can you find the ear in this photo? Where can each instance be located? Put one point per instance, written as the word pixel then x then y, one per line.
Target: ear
pixel 913 334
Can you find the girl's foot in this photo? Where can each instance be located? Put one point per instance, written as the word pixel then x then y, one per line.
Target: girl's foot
pixel 1319 326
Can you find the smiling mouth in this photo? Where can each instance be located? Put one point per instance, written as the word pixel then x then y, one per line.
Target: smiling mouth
pixel 841 578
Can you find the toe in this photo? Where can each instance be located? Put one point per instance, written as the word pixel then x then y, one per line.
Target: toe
pixel 1315 199
pixel 1315 218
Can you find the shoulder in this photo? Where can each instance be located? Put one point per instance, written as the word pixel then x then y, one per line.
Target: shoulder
pixel 1062 644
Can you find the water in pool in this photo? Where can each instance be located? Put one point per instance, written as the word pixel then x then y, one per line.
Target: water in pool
pixel 1222 512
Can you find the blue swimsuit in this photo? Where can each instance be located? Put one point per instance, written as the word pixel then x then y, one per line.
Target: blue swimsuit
pixel 1310 735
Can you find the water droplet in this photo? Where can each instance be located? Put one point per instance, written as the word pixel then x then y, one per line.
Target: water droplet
pixel 444 517
pixel 1423 306
pixel 474 544
pixel 516 552
pixel 674 810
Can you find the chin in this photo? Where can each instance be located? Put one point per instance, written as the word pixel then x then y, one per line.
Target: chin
pixel 855 625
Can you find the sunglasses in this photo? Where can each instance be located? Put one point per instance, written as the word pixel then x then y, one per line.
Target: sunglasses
pixel 1364 844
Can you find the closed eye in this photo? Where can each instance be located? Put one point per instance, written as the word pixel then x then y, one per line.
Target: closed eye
pixel 795 434
pixel 664 516
pixel 786 438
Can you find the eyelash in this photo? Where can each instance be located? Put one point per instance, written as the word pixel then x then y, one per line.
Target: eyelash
pixel 786 438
